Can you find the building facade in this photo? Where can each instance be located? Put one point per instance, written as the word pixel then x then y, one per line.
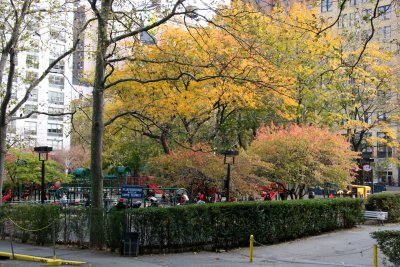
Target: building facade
pixel 47 40
pixel 353 22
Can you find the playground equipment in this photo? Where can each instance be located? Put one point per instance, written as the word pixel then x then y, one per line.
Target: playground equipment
pixel 7 197
pixel 272 190
pixel 78 190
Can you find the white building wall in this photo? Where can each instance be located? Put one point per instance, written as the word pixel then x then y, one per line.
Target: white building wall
pixel 41 130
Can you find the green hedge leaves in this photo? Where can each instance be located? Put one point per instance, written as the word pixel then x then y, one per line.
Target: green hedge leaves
pixel 191 227
pixel 385 201
pixel 389 244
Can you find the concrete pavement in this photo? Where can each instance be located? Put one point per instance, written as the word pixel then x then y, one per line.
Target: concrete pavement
pixel 348 248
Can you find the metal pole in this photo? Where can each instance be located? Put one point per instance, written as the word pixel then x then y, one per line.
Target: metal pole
pixel 375 255
pixel 228 182
pixel 43 191
pixel 54 239
pixel 251 248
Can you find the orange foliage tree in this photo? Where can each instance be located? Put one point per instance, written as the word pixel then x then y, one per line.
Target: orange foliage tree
pixel 204 171
pixel 304 156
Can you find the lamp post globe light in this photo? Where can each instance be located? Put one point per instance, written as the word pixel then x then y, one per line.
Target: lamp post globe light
pixel 43 152
pixel 229 159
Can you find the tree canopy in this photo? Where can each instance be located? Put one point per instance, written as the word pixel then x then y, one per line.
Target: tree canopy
pixel 24 167
pixel 304 156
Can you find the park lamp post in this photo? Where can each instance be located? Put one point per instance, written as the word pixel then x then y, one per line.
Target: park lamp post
pixel 229 159
pixel 43 152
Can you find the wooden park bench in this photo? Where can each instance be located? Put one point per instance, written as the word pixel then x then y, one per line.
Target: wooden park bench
pixel 380 216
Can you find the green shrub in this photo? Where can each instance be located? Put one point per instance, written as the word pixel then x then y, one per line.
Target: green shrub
pixel 114 227
pixel 33 222
pixel 230 224
pixel 385 201
pixel 389 244
pixel 208 226
pixel 74 225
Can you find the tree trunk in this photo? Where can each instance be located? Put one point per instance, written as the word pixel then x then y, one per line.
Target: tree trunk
pixel 9 50
pixel 3 137
pixel 164 143
pixel 96 164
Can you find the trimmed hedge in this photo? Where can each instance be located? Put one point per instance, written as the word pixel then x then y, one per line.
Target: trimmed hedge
pixel 208 226
pixel 385 201
pixel 35 222
pixel 225 225
pixel 389 244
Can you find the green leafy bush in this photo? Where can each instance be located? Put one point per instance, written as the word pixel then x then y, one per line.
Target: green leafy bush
pixel 389 244
pixel 208 226
pixel 385 201
pixel 230 224
pixel 74 225
pixel 33 222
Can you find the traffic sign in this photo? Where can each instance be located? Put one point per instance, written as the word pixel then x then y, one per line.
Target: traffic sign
pixel 132 191
pixel 8 227
pixel 367 168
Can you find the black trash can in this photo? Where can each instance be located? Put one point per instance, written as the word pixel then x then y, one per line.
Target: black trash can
pixel 130 244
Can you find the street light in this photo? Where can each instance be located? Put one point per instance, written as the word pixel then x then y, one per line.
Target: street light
pixel 229 158
pixel 43 156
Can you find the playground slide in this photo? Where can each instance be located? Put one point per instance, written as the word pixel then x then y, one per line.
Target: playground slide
pixel 6 197
pixel 155 186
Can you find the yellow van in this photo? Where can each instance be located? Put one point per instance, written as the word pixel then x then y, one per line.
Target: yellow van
pixel 359 191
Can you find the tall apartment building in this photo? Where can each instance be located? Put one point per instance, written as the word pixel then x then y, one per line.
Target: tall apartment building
pixel 47 41
pixel 354 25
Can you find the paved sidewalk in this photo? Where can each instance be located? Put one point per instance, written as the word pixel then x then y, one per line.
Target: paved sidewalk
pixel 348 248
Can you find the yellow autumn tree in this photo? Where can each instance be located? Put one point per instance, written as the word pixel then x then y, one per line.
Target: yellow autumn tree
pixel 196 81
pixel 191 78
pixel 289 39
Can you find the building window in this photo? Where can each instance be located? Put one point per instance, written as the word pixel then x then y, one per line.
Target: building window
pixel 32 61
pixel 30 128
pixel 57 49
pixel 353 2
pixel 56 98
pixel 344 21
pixel 33 96
pixel 365 34
pixel 381 115
pixel 59 67
pixel 326 5
pixel 56 111
pixel 14 95
pixel 368 117
pixel 386 33
pixel 12 127
pixel 56 81
pixel 55 144
pixel 384 12
pixel 366 15
pixel 30 108
pixel 31 76
pixel 383 150
pixel 54 129
pixel 57 34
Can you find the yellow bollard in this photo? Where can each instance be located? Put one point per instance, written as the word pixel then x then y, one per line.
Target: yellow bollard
pixel 251 248
pixel 375 255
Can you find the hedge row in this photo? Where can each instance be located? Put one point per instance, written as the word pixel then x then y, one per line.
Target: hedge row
pixel 388 241
pixel 385 201
pixel 207 226
pixel 230 225
pixel 389 244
